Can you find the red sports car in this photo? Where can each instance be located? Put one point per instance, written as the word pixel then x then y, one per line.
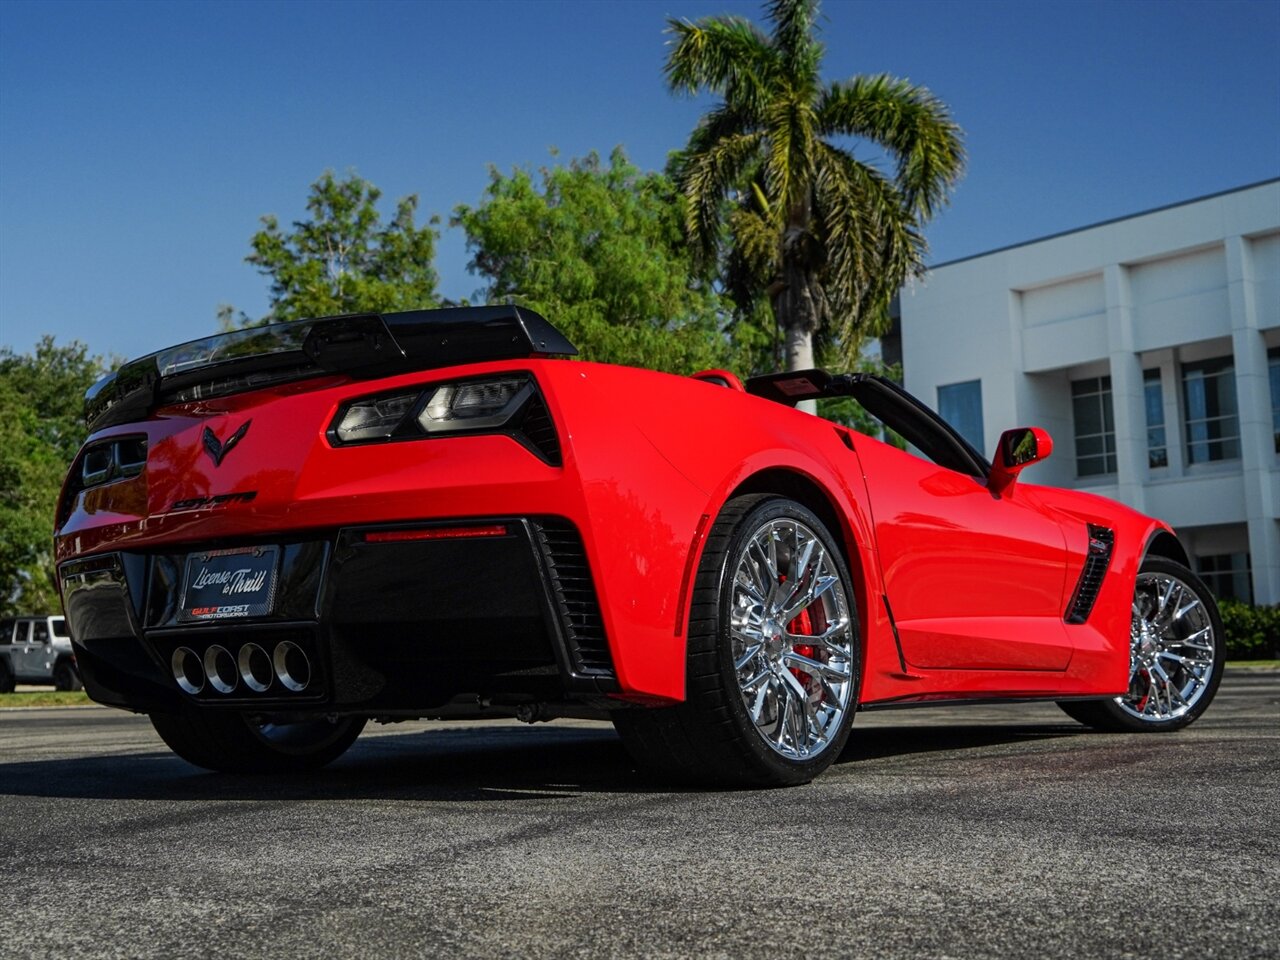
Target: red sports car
pixel 275 535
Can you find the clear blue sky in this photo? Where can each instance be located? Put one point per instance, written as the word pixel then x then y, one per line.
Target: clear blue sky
pixel 139 143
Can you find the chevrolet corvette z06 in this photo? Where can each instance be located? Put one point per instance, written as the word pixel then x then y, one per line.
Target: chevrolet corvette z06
pixel 274 535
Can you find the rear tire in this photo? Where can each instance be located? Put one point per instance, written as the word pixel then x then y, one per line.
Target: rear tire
pixel 65 676
pixel 773 657
pixel 233 743
pixel 7 683
pixel 1176 655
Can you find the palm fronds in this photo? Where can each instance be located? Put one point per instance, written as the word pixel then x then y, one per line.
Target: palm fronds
pixel 797 219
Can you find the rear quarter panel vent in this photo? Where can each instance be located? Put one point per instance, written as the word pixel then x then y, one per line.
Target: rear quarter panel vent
pixel 574 593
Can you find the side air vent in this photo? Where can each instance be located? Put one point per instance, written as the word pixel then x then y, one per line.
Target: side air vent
pixel 538 431
pixel 1101 542
pixel 575 597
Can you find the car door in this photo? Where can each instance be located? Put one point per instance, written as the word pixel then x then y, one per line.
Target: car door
pixel 40 651
pixel 973 580
pixel 22 649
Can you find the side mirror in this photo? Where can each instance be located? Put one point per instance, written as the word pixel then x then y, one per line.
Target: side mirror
pixel 1019 447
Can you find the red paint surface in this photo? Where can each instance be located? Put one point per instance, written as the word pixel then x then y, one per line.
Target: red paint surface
pixel 978 583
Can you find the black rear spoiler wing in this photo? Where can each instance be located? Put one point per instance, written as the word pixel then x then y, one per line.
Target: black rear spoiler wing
pixel 359 345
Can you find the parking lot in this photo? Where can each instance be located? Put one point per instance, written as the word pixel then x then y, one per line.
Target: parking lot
pixel 969 832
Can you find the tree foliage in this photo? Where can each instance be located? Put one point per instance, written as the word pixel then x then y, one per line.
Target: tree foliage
pixel 599 249
pixel 41 429
pixel 775 188
pixel 344 259
pixel 1252 633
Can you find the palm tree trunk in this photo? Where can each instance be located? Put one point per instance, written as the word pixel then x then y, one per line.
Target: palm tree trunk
pixel 799 356
pixel 798 344
pixel 797 306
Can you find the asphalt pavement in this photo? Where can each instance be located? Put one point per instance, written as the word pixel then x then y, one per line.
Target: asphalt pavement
pixel 965 832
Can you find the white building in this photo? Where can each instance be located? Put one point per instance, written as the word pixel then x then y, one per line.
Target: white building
pixel 1149 347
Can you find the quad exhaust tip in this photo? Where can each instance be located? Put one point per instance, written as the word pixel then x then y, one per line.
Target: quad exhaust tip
pixel 292 666
pixel 255 667
pixel 187 670
pixel 252 665
pixel 220 668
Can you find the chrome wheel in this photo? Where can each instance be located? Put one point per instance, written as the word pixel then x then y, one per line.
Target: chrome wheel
pixel 1171 653
pixel 792 638
pixel 774 655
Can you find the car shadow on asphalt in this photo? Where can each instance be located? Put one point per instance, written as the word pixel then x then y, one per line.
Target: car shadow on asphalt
pixel 466 764
pixel 887 743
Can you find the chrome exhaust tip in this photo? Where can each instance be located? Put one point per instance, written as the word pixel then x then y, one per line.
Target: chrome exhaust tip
pixel 292 666
pixel 187 670
pixel 255 667
pixel 220 667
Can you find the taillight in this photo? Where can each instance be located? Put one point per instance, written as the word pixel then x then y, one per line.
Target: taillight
pixel 508 403
pixel 377 418
pixel 103 462
pixel 475 405
pixel 114 459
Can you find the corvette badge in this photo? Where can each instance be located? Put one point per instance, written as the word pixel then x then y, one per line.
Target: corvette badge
pixel 217 451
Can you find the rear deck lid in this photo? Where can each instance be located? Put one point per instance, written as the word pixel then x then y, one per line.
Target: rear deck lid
pixel 358 345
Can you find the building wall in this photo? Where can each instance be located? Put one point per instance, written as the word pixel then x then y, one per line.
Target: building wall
pixel 1165 291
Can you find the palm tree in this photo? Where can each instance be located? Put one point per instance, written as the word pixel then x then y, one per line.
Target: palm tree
pixel 773 184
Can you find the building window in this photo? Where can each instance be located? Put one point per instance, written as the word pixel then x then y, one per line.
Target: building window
pixel 960 404
pixel 1273 368
pixel 1227 575
pixel 1153 395
pixel 1095 426
pixel 1213 423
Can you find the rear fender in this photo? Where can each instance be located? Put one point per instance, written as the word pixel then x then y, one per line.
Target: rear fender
pixel 821 488
pixel 655 475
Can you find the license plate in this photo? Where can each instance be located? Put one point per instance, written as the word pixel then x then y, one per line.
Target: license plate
pixel 229 584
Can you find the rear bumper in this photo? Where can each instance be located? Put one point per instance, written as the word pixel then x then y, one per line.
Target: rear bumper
pixel 387 626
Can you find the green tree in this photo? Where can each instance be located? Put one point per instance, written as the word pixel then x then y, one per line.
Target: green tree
pixel 343 259
pixel 41 429
pixel 774 187
pixel 599 249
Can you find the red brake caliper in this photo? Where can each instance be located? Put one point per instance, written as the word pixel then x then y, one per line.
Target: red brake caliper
pixel 802 625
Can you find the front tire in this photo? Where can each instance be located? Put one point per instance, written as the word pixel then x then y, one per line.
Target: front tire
pixel 235 743
pixel 7 681
pixel 773 656
pixel 1176 655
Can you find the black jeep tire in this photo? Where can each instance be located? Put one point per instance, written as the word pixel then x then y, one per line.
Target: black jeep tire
pixel 65 675
pixel 7 682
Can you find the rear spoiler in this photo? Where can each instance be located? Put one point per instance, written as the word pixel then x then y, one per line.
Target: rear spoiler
pixel 359 345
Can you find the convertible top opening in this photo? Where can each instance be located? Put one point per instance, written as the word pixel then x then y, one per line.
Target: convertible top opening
pixel 887 402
